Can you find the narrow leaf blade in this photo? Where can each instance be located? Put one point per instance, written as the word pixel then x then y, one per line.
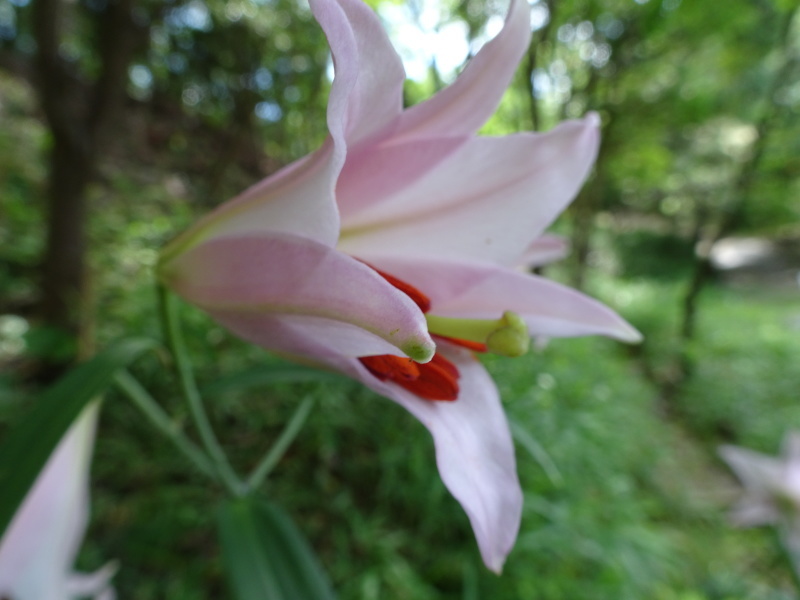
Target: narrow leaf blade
pixel 29 443
pixel 266 556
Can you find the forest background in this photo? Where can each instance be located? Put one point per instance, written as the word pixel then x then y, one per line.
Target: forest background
pixel 122 121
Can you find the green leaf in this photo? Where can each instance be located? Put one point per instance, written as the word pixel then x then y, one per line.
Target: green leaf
pixel 29 443
pixel 268 375
pixel 266 556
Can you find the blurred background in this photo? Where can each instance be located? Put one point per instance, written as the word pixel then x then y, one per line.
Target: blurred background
pixel 122 121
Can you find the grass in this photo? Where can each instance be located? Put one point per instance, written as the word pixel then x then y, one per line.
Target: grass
pixel 620 504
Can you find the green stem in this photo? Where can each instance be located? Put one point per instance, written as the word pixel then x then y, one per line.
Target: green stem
pixel 790 558
pixel 293 427
pixel 212 446
pixel 145 402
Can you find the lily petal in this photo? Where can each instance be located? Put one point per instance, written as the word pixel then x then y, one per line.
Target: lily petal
pixel 474 451
pixel 299 199
pixel 41 543
pixel 282 275
pixel 373 172
pixel 377 96
pixel 488 200
pixel 754 510
pixel 485 291
pixel 545 249
pixel 758 472
pixel 463 107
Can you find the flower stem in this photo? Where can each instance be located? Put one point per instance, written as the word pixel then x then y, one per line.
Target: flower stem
pixel 790 557
pixel 293 427
pixel 171 325
pixel 161 420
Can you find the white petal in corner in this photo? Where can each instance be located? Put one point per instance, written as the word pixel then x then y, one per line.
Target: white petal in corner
pixel 284 275
pixel 463 107
pixel 474 452
pixel 40 545
pixel 489 200
pixel 484 290
pixel 757 472
pixel 377 97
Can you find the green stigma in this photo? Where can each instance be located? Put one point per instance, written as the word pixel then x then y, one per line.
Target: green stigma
pixel 506 336
pixel 419 350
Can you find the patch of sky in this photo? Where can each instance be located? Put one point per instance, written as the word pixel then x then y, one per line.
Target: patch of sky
pixel 8 22
pixel 141 76
pixel 566 33
pixel 263 79
pixel 176 63
pixel 194 15
pixel 584 31
pixel 610 26
pixel 422 37
pixel 268 111
pixel 192 95
pixel 283 65
pixel 540 16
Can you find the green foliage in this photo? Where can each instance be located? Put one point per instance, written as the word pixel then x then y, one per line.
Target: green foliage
pixel 265 555
pixel 52 416
pixel 623 500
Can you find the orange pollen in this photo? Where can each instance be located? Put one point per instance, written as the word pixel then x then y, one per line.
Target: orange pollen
pixel 435 380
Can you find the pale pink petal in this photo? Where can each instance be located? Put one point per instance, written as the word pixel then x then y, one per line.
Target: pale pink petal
pixel 299 336
pixel 374 172
pixel 97 584
pixel 790 453
pixel 483 290
pixel 39 548
pixel 790 450
pixel 474 451
pixel 488 200
pixel 279 275
pixel 463 107
pixel 377 97
pixel 758 472
pixel 299 199
pixel 754 510
pixel 544 250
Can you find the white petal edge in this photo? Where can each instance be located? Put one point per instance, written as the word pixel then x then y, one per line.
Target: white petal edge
pixel 488 200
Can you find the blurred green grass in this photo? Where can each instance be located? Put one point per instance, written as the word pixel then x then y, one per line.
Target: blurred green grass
pixel 620 503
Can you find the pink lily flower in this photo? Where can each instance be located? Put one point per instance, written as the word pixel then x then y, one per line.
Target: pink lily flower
pixel 41 543
pixel 390 254
pixel 771 490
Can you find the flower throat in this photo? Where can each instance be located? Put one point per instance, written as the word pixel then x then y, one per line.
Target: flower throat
pixel 437 380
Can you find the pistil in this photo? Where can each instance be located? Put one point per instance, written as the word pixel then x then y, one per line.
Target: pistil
pixel 506 336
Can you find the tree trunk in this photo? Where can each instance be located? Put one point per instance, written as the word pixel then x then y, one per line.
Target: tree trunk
pixel 63 275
